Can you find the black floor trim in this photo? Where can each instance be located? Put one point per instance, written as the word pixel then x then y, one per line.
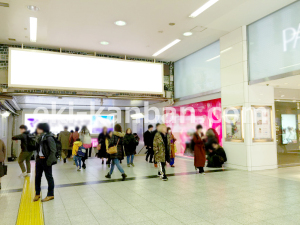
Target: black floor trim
pixel 116 180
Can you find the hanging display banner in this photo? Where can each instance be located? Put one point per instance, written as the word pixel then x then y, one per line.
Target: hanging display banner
pixel 262 123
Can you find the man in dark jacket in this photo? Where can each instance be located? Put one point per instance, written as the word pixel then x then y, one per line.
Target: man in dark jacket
pixel 25 155
pixel 147 142
pixel 152 136
pixel 46 157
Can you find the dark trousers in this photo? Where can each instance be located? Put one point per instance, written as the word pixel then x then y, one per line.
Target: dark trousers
pixel 149 154
pixel 201 170
pixel 89 152
pixel 40 167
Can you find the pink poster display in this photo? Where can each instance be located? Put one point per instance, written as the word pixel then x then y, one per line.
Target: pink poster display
pixel 183 124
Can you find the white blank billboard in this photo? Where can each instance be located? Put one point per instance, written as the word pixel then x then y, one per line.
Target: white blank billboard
pixel 40 69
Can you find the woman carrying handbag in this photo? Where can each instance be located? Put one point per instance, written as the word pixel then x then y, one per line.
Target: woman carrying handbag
pixel 116 151
pixel 86 139
pixel 3 167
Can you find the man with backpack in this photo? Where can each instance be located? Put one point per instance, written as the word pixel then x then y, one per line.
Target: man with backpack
pixel 27 150
pixel 46 158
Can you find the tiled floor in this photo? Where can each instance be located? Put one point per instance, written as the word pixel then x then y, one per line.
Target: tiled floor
pixel 228 197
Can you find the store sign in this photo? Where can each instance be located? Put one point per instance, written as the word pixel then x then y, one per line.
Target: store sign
pixel 291 37
pixel 274 44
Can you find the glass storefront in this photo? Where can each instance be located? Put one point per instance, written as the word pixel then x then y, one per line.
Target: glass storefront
pixel 287 121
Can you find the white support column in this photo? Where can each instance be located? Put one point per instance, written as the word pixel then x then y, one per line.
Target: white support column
pixel 235 91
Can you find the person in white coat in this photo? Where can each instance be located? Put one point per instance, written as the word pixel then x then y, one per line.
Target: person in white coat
pixel 86 139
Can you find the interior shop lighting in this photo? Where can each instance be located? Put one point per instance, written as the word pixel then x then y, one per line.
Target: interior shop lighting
pixel 203 8
pixel 290 66
pixel 166 47
pixel 33 29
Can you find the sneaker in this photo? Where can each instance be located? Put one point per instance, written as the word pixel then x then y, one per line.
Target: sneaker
pixel 202 173
pixel 165 178
pixel 128 165
pixel 65 160
pixel 150 161
pixel 108 175
pixel 159 174
pixel 23 175
pixel 84 166
pixel 28 174
pixel 123 176
pixel 79 169
pixel 172 166
pixel 132 164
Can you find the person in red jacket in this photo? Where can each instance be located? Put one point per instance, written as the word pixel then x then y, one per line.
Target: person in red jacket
pixel 199 149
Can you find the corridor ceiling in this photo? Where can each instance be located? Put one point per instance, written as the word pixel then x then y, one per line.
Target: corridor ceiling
pixel 83 24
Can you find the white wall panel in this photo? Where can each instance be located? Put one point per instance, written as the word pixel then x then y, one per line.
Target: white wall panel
pixel 232 56
pixel 231 39
pixel 198 72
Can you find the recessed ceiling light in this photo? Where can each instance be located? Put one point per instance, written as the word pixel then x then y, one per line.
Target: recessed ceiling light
pixel 33 8
pixel 282 96
pixel 286 83
pixel 203 8
pixel 33 29
pixel 104 43
pixel 187 34
pixel 166 47
pixel 120 23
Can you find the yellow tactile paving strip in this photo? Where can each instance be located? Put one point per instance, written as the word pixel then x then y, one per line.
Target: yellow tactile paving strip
pixel 30 213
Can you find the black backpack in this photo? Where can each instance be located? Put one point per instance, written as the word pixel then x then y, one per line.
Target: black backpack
pixel 58 148
pixel 31 143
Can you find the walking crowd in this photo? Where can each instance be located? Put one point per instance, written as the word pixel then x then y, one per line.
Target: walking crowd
pixel 112 148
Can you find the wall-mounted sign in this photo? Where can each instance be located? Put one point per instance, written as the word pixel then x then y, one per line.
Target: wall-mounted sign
pixel 274 44
pixel 262 124
pixel 233 124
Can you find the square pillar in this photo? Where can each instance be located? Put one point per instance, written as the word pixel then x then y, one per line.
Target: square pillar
pixel 235 92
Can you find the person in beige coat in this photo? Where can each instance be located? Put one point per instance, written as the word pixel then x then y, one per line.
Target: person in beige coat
pixel 2 157
pixel 64 137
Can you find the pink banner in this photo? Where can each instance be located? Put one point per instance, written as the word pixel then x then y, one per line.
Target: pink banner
pixel 183 124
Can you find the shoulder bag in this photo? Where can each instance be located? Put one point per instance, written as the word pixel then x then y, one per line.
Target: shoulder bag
pixel 113 149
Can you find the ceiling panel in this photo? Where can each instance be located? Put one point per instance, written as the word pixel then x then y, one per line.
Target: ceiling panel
pixel 81 25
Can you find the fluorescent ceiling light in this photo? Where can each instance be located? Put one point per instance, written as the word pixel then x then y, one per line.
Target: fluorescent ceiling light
pixel 225 50
pixel 33 29
pixel 166 47
pixel 120 23
pixel 104 43
pixel 187 34
pixel 5 114
pixel 213 58
pixel 290 66
pixel 203 8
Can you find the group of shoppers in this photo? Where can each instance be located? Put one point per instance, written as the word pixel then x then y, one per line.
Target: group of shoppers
pixel 113 146
pixel 67 140
pixel 206 147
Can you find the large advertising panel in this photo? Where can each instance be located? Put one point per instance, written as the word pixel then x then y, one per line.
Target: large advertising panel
pixel 41 69
pixel 94 123
pixel 274 43
pixel 183 124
